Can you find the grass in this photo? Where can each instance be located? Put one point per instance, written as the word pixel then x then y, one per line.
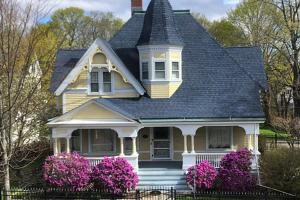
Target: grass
pixel 270 132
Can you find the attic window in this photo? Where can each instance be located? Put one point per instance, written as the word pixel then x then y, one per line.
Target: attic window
pixel 100 81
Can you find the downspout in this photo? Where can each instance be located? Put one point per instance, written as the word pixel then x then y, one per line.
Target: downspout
pixel 255 155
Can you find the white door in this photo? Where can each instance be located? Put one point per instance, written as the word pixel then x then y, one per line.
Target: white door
pixel 161 143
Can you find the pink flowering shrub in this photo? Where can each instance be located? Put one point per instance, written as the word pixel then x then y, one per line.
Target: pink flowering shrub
pixel 235 171
pixel 204 174
pixel 115 175
pixel 67 171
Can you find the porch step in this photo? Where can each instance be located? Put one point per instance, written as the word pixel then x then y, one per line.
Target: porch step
pixel 162 177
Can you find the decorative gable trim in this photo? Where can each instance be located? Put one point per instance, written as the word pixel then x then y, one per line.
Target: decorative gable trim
pixel 111 55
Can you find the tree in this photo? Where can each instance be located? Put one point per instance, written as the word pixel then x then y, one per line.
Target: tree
pixel 201 19
pixel 79 30
pixel 68 23
pixel 227 33
pixel 288 42
pixel 23 98
pixel 261 23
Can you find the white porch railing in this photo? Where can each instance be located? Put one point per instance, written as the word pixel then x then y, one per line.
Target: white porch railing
pixel 133 160
pixel 213 158
pixel 94 161
pixel 190 159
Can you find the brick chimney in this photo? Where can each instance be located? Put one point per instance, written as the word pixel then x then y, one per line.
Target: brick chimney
pixel 136 5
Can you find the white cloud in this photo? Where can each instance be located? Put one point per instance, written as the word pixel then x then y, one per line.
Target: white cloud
pixel 213 9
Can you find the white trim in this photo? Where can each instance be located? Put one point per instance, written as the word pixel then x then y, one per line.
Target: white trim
pixel 85 60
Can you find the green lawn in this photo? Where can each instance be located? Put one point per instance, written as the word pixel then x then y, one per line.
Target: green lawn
pixel 271 133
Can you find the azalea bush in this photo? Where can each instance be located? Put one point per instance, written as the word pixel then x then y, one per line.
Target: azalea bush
pixel 115 175
pixel 67 171
pixel 235 171
pixel 203 175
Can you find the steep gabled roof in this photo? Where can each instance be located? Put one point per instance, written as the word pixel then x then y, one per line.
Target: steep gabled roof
pixel 111 55
pixel 159 26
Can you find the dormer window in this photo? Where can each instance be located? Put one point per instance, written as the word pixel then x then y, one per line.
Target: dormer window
pixel 145 71
pixel 175 70
pixel 160 70
pixel 100 81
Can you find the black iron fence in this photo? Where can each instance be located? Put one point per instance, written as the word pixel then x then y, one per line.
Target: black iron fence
pixel 149 193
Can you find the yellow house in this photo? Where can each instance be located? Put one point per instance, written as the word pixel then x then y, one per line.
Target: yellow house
pixel 162 94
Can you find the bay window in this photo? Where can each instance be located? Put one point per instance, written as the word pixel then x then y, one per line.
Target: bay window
pixel 160 70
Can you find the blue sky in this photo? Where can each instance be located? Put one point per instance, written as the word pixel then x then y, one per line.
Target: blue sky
pixel 213 9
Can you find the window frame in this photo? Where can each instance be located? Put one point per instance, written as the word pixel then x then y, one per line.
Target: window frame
pixel 165 70
pixel 100 71
pixel 219 149
pixel 102 153
pixel 178 70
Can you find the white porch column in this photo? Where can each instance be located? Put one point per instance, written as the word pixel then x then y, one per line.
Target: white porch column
pixel 134 152
pixel 122 147
pixel 55 146
pixel 192 143
pixel 185 150
pixel 58 146
pixel 68 147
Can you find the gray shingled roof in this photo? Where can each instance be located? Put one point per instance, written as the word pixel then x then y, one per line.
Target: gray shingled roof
pixel 251 59
pixel 217 82
pixel 159 25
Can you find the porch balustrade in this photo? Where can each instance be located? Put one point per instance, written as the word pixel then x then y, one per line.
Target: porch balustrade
pixel 94 161
pixel 213 158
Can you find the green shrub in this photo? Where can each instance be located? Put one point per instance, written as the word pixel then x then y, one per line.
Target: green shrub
pixel 280 169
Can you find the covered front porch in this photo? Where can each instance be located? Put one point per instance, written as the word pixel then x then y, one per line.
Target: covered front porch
pixel 158 146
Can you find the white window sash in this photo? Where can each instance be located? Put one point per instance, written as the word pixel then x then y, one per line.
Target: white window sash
pixel 219 149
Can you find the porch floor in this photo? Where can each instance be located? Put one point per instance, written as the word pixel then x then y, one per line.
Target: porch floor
pixel 160 164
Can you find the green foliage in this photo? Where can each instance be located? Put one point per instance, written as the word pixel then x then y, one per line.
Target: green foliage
pixel 227 33
pixel 280 169
pixel 201 19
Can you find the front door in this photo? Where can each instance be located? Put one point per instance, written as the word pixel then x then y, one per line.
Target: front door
pixel 161 143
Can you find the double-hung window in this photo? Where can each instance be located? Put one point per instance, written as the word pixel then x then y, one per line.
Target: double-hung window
pixel 145 71
pixel 100 81
pixel 175 70
pixel 219 137
pixel 160 70
pixel 95 81
pixel 106 82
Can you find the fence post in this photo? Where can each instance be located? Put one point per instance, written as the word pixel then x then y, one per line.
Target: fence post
pixel 137 195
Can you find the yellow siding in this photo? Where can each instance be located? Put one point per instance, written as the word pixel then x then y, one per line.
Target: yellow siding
pixel 160 55
pixel 94 111
pixel 175 55
pixel 145 56
pixel 239 138
pixel 162 90
pixel 85 142
pixel 72 101
pixel 81 81
pixel 200 140
pixel 120 84
pixel 99 58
